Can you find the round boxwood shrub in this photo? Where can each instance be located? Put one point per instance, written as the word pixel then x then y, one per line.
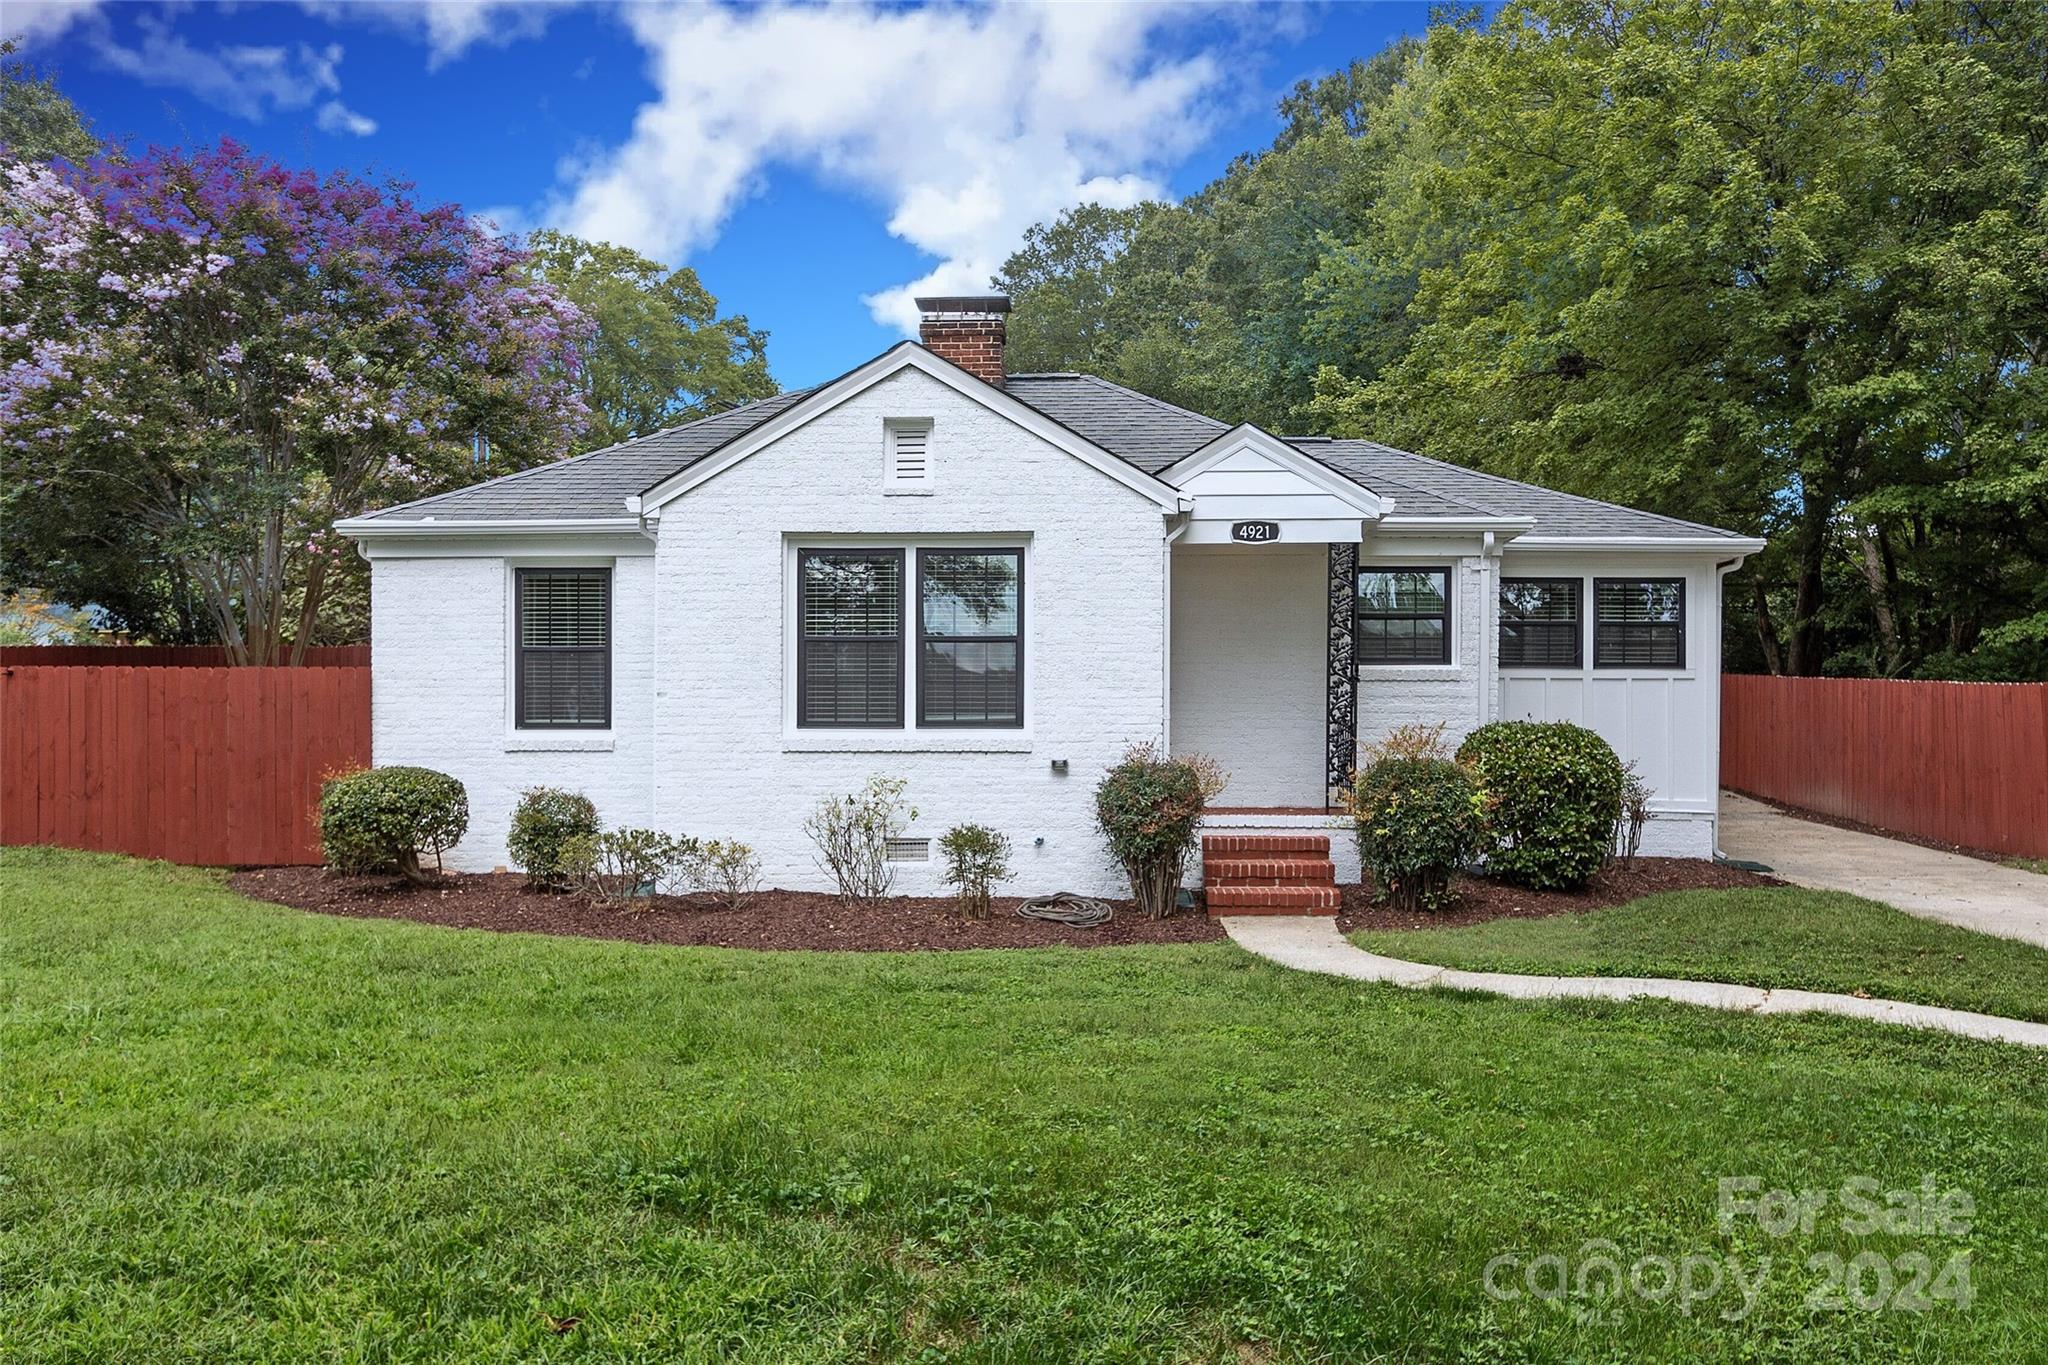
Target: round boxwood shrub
pixel 544 820
pixel 382 819
pixel 1418 821
pixel 1554 793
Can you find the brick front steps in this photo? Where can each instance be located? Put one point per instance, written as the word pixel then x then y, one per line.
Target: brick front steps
pixel 1269 874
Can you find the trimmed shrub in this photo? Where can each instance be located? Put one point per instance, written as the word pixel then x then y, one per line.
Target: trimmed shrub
pixel 1418 821
pixel 622 868
pixel 977 857
pixel 1148 808
pixel 544 820
pixel 852 833
pixel 1553 794
pixel 382 819
pixel 726 870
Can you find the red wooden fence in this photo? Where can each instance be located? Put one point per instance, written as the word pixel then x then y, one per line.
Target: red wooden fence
pixel 1965 763
pixel 196 765
pixel 179 656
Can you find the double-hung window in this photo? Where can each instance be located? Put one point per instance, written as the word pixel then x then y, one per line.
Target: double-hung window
pixel 562 631
pixel 1403 617
pixel 970 638
pixel 1540 623
pixel 850 638
pixel 1638 623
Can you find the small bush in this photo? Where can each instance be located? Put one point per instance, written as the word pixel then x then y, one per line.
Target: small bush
pixel 852 833
pixel 977 857
pixel 1418 821
pixel 1148 808
pixel 1554 794
pixel 543 821
pixel 1635 813
pixel 727 870
pixel 382 819
pixel 1414 740
pixel 622 868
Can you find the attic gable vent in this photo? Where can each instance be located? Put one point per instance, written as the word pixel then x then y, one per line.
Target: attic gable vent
pixel 909 457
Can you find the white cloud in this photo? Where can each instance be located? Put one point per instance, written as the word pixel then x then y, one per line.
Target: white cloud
pixel 336 117
pixel 248 81
pixel 448 27
pixel 970 125
pixel 39 20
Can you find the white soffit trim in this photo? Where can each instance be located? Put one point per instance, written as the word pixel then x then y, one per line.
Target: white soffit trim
pixel 907 355
pixel 1245 436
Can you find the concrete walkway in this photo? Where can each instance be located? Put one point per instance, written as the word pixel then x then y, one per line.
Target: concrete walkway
pixel 1311 943
pixel 1920 881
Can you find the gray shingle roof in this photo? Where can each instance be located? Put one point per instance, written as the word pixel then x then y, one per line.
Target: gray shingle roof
pixel 595 484
pixel 1145 431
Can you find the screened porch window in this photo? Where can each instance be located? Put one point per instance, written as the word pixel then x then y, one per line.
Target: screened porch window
pixel 1539 623
pixel 850 638
pixel 1404 616
pixel 970 667
pixel 563 628
pixel 1639 623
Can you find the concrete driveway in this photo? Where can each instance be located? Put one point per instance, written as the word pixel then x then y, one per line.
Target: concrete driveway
pixel 1921 881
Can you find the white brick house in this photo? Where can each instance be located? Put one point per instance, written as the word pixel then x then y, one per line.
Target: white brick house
pixel 990 585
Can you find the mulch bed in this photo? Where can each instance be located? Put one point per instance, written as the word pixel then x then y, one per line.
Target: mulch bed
pixel 772 919
pixel 1480 900
pixel 811 920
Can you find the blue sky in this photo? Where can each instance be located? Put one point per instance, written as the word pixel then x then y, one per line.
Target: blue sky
pixel 816 165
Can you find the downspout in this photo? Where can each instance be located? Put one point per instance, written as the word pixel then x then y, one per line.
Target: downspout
pixel 1721 572
pixel 1489 625
pixel 1177 526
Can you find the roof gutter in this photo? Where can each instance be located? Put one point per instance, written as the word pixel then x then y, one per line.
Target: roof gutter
pixel 378 528
pixel 1737 545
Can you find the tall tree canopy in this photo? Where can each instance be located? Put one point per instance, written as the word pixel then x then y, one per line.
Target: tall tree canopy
pixel 228 355
pixel 1782 268
pixel 659 353
pixel 36 122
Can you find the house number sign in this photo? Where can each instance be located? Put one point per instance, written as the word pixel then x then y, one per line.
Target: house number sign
pixel 1255 531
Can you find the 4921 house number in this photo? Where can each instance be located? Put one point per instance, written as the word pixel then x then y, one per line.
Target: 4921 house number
pixel 1255 530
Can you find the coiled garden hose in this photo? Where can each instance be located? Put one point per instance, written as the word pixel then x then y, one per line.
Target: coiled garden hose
pixel 1064 907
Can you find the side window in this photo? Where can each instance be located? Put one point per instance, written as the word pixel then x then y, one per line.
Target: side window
pixel 849 638
pixel 1403 616
pixel 1540 623
pixel 1639 623
pixel 970 647
pixel 562 630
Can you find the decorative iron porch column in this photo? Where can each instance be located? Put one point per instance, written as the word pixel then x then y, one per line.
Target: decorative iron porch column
pixel 1342 711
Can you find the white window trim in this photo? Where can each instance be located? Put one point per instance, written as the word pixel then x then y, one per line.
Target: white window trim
pixel 910 737
pixel 518 741
pixel 892 484
pixel 1454 585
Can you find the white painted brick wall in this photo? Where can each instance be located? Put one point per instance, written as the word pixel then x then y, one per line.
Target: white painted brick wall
pixel 440 633
pixel 1250 667
pixel 1095 593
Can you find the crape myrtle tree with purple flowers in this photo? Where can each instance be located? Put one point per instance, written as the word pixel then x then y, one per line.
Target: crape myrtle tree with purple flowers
pixel 230 354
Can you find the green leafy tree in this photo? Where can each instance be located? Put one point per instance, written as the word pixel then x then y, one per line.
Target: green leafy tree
pixel 660 355
pixel 36 122
pixel 1779 267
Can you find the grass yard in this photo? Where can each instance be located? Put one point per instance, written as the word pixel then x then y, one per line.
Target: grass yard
pixel 1783 937
pixel 234 1131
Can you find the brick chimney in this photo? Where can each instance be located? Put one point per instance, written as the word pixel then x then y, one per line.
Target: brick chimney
pixel 967 331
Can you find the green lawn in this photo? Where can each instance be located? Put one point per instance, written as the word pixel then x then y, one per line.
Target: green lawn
pixel 234 1131
pixel 1783 937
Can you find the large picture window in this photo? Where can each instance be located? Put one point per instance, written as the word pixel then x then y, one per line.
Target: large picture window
pixel 970 624
pixel 1639 623
pixel 850 638
pixel 1540 623
pixel 562 629
pixel 1404 616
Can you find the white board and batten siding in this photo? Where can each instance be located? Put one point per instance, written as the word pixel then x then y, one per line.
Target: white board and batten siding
pixel 1249 486
pixel 1666 720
